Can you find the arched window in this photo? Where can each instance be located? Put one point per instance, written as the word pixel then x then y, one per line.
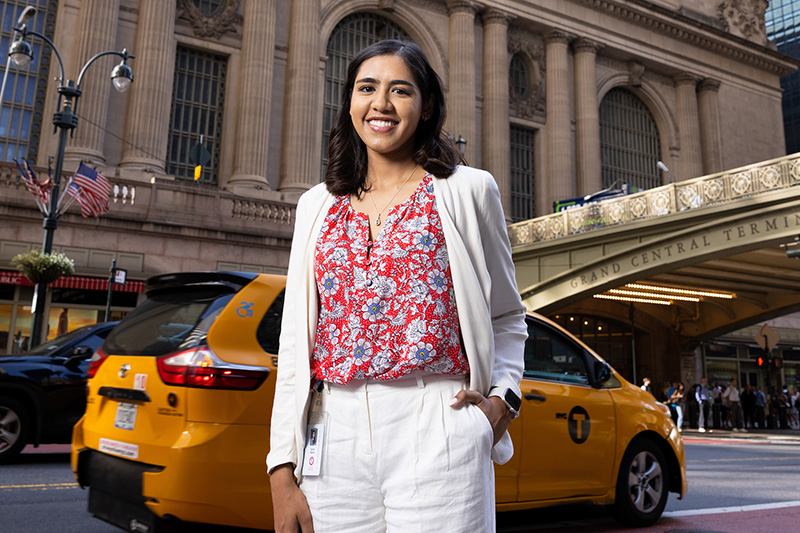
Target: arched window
pixel 630 144
pixel 349 37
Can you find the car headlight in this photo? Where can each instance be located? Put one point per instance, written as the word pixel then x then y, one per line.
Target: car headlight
pixel 664 408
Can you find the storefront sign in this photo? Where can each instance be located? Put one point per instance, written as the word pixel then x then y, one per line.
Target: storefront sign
pixel 72 282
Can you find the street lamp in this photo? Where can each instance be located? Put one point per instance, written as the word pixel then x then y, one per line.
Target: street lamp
pixel 64 120
pixel 461 144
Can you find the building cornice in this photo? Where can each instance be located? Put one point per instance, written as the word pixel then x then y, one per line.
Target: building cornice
pixel 679 26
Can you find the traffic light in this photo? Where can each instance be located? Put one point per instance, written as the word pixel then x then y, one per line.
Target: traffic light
pixel 777 362
pixel 761 361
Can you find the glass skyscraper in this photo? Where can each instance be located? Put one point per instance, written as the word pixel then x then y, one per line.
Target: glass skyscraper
pixel 783 28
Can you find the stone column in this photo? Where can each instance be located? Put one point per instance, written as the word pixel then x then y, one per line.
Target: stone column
pixel 252 131
pixel 690 163
pixel 557 182
pixel 147 119
pixel 495 135
pixel 710 134
pixel 300 157
pixel 461 83
pixel 97 33
pixel 587 119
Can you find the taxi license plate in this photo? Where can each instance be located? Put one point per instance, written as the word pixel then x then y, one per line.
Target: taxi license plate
pixel 126 416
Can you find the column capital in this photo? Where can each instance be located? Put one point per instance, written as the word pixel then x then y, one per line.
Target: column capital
pixel 495 16
pixel 583 45
pixel 461 6
pixel 557 37
pixel 709 84
pixel 685 78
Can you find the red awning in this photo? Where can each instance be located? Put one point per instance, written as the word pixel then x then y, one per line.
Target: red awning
pixel 72 282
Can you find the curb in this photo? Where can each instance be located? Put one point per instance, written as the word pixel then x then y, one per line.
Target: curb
pixel 776 435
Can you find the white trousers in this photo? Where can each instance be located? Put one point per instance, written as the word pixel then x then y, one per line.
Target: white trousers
pixel 397 458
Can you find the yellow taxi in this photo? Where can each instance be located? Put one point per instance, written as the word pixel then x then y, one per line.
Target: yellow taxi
pixel 176 427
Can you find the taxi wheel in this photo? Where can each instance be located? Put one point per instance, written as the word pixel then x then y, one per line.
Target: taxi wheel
pixel 14 424
pixel 642 485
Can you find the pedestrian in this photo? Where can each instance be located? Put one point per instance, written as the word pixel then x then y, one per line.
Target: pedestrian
pixel 646 385
pixel 717 409
pixel 732 396
pixel 676 400
pixel 703 397
pixel 761 403
pixel 795 407
pixel 748 402
pixel 403 332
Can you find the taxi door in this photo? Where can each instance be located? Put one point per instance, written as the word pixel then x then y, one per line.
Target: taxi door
pixel 568 427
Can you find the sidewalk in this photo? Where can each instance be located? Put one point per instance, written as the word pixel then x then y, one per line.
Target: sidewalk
pixel 772 435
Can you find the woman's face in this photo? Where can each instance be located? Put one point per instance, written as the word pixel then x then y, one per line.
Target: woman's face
pixel 386 107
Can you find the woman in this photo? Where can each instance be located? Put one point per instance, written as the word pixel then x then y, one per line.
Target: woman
pixel 403 332
pixel 676 400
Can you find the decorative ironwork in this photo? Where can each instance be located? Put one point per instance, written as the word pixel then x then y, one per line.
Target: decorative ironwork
pixel 715 189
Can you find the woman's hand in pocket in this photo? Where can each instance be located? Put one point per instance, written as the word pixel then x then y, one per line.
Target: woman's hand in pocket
pixel 494 408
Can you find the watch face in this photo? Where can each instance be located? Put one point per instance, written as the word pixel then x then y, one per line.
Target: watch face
pixel 513 400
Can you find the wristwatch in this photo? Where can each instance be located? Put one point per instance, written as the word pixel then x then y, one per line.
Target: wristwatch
pixel 512 401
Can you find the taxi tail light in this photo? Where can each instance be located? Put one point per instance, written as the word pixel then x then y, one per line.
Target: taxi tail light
pixel 97 359
pixel 199 367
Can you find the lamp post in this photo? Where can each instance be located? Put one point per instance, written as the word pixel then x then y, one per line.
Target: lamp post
pixel 65 119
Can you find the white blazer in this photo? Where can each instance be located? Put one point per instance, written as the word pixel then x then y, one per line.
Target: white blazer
pixel 490 312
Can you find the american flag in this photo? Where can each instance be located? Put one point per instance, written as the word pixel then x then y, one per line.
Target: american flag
pixel 91 190
pixel 86 208
pixel 39 189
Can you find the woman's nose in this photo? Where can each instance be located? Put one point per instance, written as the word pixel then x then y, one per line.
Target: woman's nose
pixel 381 101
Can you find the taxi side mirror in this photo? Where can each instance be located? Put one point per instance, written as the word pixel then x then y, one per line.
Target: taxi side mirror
pixel 602 373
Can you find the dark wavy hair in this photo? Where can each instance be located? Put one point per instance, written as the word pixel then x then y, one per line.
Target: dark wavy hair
pixel 433 148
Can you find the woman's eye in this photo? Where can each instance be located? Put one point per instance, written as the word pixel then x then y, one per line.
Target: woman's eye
pixel 365 89
pixel 402 91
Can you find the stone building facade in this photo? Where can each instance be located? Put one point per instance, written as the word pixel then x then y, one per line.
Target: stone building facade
pixel 551 97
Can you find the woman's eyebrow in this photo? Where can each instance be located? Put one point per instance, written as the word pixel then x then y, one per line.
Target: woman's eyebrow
pixel 393 82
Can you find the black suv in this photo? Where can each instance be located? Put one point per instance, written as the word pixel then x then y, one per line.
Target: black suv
pixel 43 392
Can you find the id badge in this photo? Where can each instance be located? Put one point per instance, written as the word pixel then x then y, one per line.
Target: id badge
pixel 315 440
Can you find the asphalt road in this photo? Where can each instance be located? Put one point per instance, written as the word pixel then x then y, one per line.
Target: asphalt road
pixel 734 486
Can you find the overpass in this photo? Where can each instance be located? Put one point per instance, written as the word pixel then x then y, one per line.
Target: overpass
pixel 722 233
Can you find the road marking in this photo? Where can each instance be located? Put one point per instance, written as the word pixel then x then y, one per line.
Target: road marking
pixel 739 509
pixel 41 486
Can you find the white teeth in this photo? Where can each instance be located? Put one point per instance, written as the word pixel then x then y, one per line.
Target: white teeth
pixel 381 123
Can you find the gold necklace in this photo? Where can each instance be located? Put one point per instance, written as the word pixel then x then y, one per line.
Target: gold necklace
pixel 378 218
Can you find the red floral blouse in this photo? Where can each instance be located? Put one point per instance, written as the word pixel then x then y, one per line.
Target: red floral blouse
pixel 387 307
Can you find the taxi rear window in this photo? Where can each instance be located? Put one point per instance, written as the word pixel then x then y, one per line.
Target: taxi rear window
pixel 168 321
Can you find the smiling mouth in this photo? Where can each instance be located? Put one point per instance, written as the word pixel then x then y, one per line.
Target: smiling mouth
pixel 382 123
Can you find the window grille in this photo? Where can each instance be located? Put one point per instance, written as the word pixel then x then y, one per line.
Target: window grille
pixel 630 144
pixel 350 36
pixel 520 78
pixel 25 90
pixel 197 107
pixel 209 8
pixel 523 198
